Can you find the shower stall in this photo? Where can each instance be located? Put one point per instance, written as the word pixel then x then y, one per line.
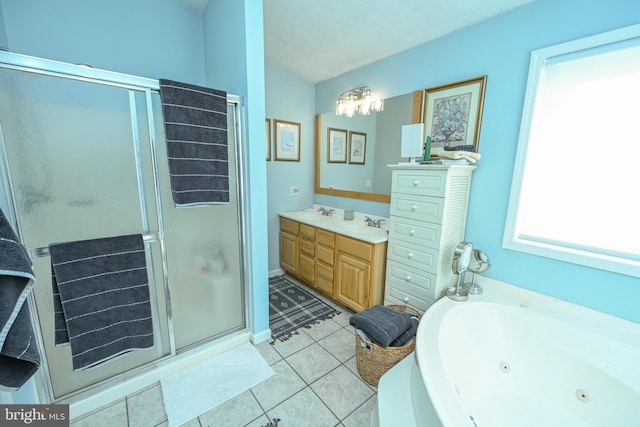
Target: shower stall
pixel 83 156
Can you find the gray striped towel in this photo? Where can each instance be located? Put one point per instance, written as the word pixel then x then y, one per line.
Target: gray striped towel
pixel 19 357
pixel 101 298
pixel 195 122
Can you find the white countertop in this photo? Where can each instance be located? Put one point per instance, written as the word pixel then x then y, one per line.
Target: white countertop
pixel 355 228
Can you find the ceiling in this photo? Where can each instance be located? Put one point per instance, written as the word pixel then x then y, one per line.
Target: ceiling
pixel 321 39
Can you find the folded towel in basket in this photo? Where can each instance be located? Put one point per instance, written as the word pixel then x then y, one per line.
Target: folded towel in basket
pixel 382 324
pixel 407 335
pixel 19 357
pixel 101 298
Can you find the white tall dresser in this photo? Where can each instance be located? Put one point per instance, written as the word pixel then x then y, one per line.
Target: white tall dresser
pixel 427 220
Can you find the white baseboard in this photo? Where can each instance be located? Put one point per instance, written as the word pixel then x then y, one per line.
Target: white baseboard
pixel 261 337
pixel 277 272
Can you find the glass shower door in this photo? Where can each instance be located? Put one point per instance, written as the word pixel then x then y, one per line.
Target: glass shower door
pixel 76 175
pixel 204 254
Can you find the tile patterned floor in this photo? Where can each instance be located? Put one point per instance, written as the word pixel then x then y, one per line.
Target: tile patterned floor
pixel 316 385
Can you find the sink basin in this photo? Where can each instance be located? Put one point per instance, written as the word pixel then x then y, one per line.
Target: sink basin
pixel 359 228
pixel 311 215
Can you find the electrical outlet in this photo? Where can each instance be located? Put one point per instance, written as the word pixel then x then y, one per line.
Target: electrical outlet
pixel 294 191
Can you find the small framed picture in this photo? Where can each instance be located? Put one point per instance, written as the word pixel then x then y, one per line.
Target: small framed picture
pixel 268 132
pixel 337 145
pixel 287 140
pixel 357 147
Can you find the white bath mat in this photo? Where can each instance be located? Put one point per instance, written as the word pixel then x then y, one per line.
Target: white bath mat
pixel 197 389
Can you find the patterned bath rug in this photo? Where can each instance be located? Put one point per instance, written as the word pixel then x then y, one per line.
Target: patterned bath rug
pixel 291 307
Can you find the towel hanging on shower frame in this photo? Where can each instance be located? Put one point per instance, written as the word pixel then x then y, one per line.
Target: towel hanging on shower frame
pixel 195 122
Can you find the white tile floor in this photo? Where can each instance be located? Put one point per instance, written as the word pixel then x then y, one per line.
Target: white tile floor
pixel 316 385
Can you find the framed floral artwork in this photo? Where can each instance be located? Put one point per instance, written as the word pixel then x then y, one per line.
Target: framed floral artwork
pixel 357 147
pixel 287 140
pixel 336 145
pixel 453 114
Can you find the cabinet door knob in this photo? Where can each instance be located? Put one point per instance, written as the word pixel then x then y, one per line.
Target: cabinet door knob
pixel 416 182
pixel 408 278
pixel 412 232
pixel 406 299
pixel 410 255
pixel 414 207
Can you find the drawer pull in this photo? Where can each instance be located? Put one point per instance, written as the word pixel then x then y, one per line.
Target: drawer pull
pixel 416 182
pixel 408 278
pixel 412 232
pixel 414 207
pixel 410 255
pixel 406 299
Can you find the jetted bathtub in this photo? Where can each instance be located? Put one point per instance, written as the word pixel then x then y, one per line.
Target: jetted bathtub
pixel 516 358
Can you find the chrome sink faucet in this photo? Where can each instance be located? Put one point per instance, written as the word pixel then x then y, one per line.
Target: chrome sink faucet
pixel 373 222
pixel 325 211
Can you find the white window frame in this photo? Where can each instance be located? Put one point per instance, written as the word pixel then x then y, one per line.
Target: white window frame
pixel 512 238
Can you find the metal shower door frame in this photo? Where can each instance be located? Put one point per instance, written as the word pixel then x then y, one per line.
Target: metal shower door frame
pixel 29 64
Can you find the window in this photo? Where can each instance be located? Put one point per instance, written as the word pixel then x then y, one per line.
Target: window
pixel 575 194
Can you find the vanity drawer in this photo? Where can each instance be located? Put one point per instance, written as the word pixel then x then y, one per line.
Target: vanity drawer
pixel 422 208
pixel 307 248
pixel 413 255
pixel 324 255
pixel 307 232
pixel 326 238
pixel 411 277
pixel 289 226
pixel 355 248
pixel 420 233
pixel 324 278
pixel 420 183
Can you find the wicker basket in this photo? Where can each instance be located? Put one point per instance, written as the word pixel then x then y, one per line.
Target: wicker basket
pixel 373 361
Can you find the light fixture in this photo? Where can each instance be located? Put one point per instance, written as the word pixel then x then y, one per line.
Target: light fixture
pixel 359 100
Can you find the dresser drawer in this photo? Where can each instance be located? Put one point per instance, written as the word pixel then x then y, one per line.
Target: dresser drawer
pixel 398 293
pixel 422 208
pixel 308 232
pixel 420 233
pixel 432 183
pixel 415 278
pixel 416 256
pixel 289 226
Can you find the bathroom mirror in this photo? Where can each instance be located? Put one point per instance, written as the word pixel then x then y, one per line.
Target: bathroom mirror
pixel 357 167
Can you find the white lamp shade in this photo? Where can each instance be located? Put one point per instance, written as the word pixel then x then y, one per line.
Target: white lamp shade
pixel 412 140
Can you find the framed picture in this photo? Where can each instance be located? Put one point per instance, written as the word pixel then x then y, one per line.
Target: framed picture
pixel 337 145
pixel 453 114
pixel 357 147
pixel 268 131
pixel 287 140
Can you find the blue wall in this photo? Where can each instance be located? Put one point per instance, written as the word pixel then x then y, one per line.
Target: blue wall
pixel 156 39
pixel 291 98
pixel 234 59
pixel 501 48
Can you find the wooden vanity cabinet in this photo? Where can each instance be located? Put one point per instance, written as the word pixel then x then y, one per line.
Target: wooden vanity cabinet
pixel 348 270
pixel 289 246
pixel 359 273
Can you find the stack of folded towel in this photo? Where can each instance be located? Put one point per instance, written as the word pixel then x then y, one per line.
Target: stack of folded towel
pixel 385 326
